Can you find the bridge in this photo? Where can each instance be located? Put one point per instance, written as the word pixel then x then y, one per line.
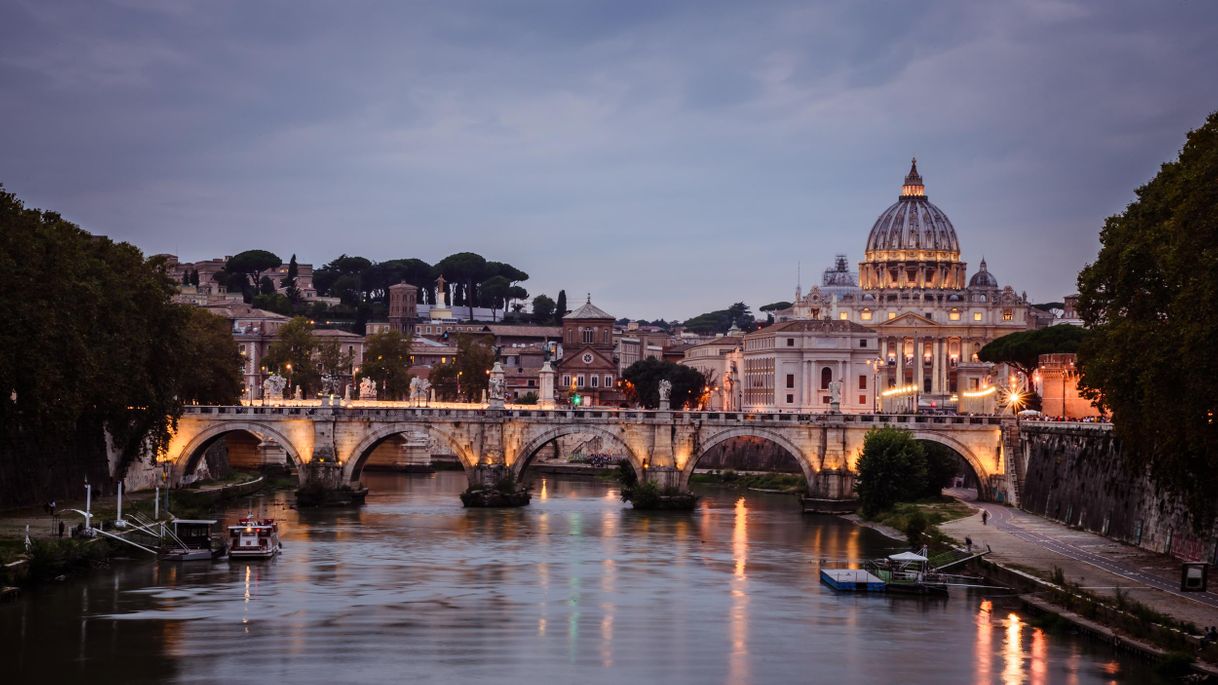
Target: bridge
pixel 335 442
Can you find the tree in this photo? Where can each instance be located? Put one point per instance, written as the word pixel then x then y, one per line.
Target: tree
pixel 1149 301
pixel 494 293
pixel 194 277
pixel 210 353
pixel 560 307
pixel 543 310
pixel 289 282
pixel 942 467
pixel 475 357
pixel 643 383
pixel 332 361
pixel 775 306
pixel 251 264
pixel 292 356
pixel 891 469
pixel 266 286
pixel 1022 350
pixel 387 362
pixel 96 359
pixel 721 321
pixel 468 269
pixel 342 277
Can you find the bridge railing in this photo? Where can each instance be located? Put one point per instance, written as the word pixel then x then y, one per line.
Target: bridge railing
pixel 388 410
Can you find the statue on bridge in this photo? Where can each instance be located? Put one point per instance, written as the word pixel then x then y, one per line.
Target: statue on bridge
pixel 367 388
pixel 272 387
pixel 497 386
pixel 835 396
pixel 419 389
pixel 665 387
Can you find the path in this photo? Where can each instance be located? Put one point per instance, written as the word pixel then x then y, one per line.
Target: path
pixel 1097 563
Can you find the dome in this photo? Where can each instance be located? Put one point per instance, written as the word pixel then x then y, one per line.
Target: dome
pixel 912 245
pixel 983 278
pixel 913 223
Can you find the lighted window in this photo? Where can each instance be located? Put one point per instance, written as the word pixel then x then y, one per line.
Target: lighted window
pixel 866 315
pixel 976 316
pixel 844 316
pixel 954 314
pixel 1007 315
pixel 892 315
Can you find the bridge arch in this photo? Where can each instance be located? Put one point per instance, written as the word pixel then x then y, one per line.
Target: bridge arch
pixel 776 437
pixel 353 465
pixel 971 460
pixel 524 456
pixel 187 460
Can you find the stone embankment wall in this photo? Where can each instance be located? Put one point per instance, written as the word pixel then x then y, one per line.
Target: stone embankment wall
pixel 1073 473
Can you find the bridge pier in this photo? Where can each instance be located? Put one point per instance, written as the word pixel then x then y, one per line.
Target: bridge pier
pixel 494 485
pixel 323 484
pixel 831 492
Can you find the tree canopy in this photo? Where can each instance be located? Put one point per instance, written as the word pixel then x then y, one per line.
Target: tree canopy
pixel 891 469
pixel 92 343
pixel 643 383
pixel 387 361
pixel 720 321
pixel 1149 299
pixel 1022 350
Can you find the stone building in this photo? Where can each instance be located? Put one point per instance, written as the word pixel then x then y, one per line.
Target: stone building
pixel 914 293
pixel 1056 382
pixel 720 361
pixel 809 365
pixel 588 367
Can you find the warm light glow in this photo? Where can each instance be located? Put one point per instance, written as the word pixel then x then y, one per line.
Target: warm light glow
pixel 984 392
pixel 1012 652
pixel 900 390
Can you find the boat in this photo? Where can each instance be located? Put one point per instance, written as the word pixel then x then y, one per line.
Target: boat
pixel 908 573
pixel 254 538
pixel 851 580
pixel 191 540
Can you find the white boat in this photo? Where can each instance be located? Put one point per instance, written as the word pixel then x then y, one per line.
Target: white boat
pixel 254 538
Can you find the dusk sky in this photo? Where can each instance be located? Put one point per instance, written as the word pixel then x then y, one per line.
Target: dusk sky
pixel 670 158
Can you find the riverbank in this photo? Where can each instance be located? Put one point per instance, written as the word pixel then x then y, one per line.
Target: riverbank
pixel 1121 594
pixel 52 557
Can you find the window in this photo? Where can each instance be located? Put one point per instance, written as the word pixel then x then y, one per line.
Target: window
pixel 862 399
pixel 566 381
pixel 588 333
pixel 892 315
pixel 844 316
pixel 608 381
pixel 976 316
pixel 974 383
pixel 866 316
pixel 1007 315
pixel 954 314
pixel 532 383
pixel 826 377
pixel 579 380
pixel 863 342
pixel 790 380
pixel 596 380
pixel 930 315
pixel 790 399
pixel 790 342
pixel 862 382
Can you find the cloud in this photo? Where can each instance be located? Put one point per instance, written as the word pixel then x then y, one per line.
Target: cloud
pixel 670 157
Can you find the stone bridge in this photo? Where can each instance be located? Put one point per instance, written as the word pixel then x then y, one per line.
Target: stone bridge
pixel 662 446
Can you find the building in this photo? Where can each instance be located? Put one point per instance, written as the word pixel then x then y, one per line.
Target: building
pixel 914 293
pixel 801 365
pixel 588 367
pixel 719 360
pixel 1056 381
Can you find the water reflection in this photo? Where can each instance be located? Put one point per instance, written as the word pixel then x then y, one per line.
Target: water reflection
pixel 575 588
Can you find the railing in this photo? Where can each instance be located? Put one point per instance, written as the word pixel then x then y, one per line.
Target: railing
pixel 453 410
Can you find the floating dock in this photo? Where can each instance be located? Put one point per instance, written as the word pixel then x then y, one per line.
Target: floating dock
pixel 851 580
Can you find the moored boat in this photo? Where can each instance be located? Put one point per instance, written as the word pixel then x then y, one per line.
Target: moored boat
pixel 191 540
pixel 254 538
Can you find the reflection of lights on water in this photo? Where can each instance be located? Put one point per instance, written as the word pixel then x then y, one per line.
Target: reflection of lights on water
pixel 1012 672
pixel 740 537
pixel 1038 669
pixel 541 627
pixel 984 652
pixel 738 664
pixel 545 491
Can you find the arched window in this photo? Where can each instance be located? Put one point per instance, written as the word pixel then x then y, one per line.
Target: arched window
pixel 826 377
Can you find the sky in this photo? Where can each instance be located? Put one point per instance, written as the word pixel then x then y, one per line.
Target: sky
pixel 669 158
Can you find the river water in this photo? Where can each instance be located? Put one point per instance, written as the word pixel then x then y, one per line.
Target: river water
pixel 575 588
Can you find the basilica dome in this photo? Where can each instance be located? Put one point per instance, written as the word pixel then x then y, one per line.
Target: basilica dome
pixel 913 244
pixel 983 278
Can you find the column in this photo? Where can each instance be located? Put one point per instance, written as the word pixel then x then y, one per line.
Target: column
pixel 936 364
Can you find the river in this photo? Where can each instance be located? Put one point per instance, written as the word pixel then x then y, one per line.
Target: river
pixel 575 588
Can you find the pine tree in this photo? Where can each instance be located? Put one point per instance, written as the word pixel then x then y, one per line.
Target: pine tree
pixel 289 282
pixel 560 309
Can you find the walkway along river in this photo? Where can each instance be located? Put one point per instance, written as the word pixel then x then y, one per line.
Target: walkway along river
pixel 574 588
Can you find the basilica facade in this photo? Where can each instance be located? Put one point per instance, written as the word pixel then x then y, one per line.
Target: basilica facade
pixel 913 292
